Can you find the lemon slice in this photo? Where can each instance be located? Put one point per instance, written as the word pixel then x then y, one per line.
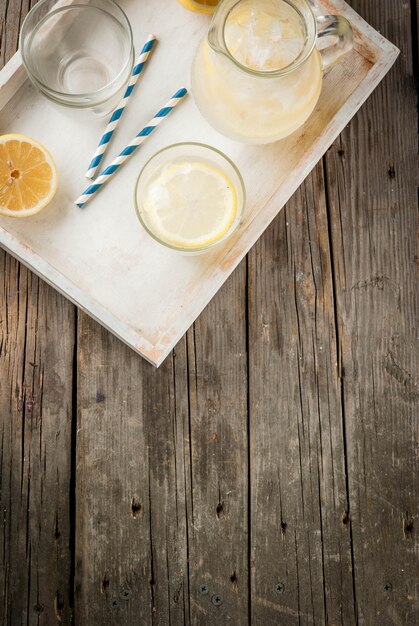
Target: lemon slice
pixel 202 6
pixel 189 204
pixel 28 176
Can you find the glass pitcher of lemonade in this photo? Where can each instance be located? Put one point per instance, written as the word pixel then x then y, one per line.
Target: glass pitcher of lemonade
pixel 258 74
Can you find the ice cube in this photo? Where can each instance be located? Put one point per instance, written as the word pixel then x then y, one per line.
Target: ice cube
pixel 264 36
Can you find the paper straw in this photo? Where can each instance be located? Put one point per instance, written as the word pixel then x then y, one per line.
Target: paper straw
pixel 130 149
pixel 117 114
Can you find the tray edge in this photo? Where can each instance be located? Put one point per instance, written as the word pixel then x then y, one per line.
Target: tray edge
pixel 13 76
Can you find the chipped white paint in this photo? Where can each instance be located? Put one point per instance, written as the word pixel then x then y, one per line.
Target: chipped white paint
pixel 99 257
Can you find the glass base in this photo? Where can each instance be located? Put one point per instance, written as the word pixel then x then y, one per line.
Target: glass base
pixel 79 73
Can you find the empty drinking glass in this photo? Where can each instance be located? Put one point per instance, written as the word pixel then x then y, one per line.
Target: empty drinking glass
pixel 78 54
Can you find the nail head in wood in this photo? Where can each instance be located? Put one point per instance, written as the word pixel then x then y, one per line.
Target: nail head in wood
pixel 216 599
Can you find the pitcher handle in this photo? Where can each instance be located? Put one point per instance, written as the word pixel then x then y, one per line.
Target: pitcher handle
pixel 339 28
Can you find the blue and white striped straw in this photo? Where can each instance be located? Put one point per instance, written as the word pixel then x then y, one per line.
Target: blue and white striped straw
pixel 130 149
pixel 117 114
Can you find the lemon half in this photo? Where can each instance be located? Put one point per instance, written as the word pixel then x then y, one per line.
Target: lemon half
pixel 28 176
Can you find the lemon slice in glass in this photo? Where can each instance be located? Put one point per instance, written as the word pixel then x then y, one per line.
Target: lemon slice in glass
pixel 189 204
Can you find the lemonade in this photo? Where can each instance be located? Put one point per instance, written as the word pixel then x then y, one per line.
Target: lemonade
pixel 265 36
pixel 190 197
pixel 264 84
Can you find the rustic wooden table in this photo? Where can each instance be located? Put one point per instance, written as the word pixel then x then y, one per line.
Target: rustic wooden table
pixel 266 473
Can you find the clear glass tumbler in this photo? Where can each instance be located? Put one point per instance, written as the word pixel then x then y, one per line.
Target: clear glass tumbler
pixel 174 158
pixel 78 53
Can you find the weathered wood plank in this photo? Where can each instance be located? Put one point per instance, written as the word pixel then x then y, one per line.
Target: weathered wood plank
pixel 160 503
pixel 131 484
pixel 113 512
pixel 217 459
pixel 301 558
pixel 372 191
pixel 12 14
pixel 36 355
pixel 36 350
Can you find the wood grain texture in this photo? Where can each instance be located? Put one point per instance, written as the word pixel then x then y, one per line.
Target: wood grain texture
pixel 373 216
pixel 162 475
pixel 11 15
pixel 301 543
pixel 218 459
pixel 117 551
pixel 36 357
pixel 36 352
pixel 270 465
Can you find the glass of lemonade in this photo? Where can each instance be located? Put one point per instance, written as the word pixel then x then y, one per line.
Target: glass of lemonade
pixel 190 197
pixel 78 54
pixel 258 74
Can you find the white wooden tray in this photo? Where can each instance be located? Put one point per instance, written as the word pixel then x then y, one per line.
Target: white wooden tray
pixel 100 258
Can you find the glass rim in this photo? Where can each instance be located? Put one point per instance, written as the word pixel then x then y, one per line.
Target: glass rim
pixel 239 215
pixel 60 96
pixel 296 63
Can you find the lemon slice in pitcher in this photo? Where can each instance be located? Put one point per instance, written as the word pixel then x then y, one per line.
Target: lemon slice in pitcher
pixel 28 176
pixel 189 204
